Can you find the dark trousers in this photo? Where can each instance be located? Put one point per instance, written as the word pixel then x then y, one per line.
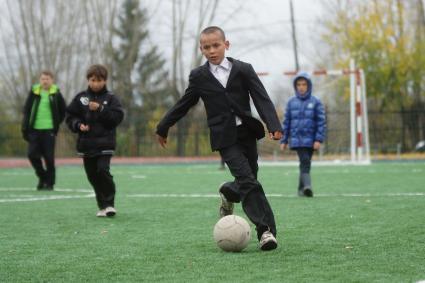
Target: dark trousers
pixel 304 155
pixel 241 159
pixel 41 146
pixel 97 170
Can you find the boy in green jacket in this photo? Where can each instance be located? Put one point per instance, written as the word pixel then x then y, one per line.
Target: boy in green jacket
pixel 44 110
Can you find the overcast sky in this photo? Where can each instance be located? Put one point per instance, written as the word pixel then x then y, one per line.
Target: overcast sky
pixel 259 33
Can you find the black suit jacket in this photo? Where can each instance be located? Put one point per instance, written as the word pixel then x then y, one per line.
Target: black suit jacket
pixel 222 104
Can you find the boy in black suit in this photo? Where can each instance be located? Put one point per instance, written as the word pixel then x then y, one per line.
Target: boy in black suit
pixel 94 114
pixel 225 85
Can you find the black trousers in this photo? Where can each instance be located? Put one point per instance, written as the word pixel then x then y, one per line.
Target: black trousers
pixel 241 159
pixel 97 170
pixel 41 146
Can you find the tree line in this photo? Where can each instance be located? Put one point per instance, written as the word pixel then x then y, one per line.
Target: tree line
pixel 386 38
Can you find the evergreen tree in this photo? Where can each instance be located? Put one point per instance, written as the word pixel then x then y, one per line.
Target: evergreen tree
pixel 138 73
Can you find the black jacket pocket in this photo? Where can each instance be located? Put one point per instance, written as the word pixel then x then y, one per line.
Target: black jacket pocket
pixel 215 120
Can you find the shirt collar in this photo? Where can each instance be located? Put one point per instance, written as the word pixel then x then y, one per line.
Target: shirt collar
pixel 225 64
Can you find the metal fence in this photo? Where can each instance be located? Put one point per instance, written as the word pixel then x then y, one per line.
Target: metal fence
pixel 390 133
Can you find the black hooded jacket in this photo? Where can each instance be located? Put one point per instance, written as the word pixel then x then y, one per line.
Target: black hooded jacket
pixel 101 137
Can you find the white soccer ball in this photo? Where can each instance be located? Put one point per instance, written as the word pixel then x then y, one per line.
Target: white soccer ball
pixel 232 233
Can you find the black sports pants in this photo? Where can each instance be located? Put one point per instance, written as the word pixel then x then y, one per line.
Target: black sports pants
pixel 241 159
pixel 97 170
pixel 41 146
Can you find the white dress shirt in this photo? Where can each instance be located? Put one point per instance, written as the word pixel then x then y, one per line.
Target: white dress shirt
pixel 221 72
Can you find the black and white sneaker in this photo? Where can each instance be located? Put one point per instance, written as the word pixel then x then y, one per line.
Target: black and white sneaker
pixel 268 242
pixel 110 211
pixel 101 213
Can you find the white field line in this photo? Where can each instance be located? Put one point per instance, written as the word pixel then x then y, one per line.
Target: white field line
pixel 43 198
pixel 280 195
pixel 56 189
pixel 173 195
pixel 317 162
pixel 74 190
pixel 138 176
pixel 28 198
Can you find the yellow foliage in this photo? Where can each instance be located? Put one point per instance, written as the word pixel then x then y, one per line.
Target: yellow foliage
pixel 379 37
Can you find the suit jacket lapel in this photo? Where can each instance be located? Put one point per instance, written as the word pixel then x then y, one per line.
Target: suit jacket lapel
pixel 207 73
pixel 235 69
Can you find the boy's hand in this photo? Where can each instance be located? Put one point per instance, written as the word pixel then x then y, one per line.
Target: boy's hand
pixel 276 135
pixel 84 128
pixel 283 146
pixel 162 141
pixel 25 135
pixel 93 106
pixel 316 145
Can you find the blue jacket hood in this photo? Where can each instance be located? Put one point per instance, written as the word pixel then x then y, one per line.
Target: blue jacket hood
pixel 306 76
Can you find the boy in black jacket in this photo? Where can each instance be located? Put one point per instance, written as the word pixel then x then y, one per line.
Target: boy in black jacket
pixel 226 86
pixel 94 114
pixel 44 110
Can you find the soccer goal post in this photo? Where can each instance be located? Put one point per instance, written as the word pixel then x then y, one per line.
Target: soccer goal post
pixel 356 148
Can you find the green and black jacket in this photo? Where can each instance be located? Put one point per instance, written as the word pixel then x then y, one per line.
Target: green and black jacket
pixel 57 105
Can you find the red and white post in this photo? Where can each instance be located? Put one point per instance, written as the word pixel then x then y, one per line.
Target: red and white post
pixel 359 113
pixel 352 110
pixel 365 117
pixel 359 127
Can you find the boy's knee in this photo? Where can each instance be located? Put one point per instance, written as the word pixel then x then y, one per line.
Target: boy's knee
pixel 32 154
pixel 248 184
pixel 104 172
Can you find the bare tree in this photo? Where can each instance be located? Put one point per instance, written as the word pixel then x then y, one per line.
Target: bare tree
pixel 47 34
pixel 181 10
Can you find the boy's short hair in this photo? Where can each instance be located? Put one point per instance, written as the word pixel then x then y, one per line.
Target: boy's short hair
pixel 301 79
pixel 98 71
pixel 212 29
pixel 47 73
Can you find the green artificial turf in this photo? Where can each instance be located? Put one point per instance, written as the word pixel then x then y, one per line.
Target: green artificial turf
pixel 365 224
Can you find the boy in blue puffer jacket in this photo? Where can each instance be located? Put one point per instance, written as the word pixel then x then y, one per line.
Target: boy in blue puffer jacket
pixel 305 126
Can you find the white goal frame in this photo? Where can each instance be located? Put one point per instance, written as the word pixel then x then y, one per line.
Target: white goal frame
pixel 359 124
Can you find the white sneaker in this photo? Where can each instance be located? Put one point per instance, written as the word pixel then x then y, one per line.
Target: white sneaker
pixel 110 211
pixel 101 213
pixel 268 241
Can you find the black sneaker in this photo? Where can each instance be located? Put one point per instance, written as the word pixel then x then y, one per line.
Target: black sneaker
pixel 48 188
pixel 41 185
pixel 308 192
